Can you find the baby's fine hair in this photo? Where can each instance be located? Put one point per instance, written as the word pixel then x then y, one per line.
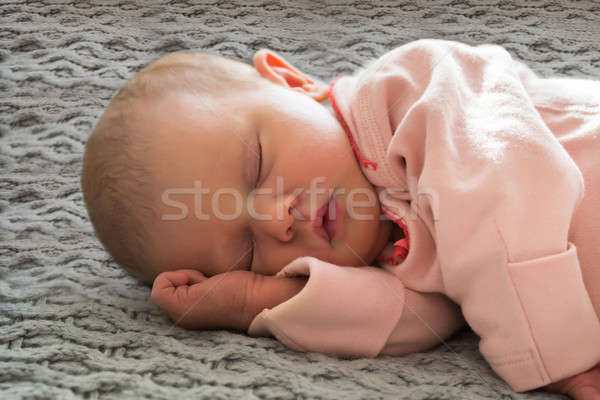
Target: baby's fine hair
pixel 116 180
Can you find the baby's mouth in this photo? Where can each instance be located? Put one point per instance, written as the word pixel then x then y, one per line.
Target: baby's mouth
pixel 330 218
pixel 325 222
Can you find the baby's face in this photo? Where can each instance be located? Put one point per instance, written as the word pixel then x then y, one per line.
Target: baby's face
pixel 241 186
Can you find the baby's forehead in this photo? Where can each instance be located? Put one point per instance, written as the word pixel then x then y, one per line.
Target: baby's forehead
pixel 190 139
pixel 183 116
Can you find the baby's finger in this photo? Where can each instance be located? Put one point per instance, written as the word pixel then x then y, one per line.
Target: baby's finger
pixel 165 287
pixel 162 288
pixel 180 277
pixel 194 276
pixel 175 300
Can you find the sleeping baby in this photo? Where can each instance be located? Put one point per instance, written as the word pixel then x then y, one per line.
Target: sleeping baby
pixel 446 185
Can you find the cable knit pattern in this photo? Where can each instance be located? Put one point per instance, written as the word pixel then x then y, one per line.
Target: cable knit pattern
pixel 72 323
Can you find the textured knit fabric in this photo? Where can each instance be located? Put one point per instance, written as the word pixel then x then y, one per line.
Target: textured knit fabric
pixel 75 325
pixel 492 196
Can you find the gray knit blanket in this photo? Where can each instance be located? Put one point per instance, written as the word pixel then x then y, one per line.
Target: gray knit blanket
pixel 75 325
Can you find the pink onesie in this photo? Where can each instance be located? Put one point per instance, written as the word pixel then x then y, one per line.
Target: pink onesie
pixel 494 173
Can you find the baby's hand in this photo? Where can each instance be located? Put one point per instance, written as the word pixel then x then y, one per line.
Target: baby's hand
pixel 194 301
pixel 584 386
pixel 229 300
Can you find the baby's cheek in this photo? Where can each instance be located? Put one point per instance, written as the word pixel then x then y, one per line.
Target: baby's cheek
pixel 275 258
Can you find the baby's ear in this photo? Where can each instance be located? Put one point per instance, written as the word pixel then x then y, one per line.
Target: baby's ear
pixel 273 67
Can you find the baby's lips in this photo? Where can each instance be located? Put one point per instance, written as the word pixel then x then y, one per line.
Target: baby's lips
pixel 318 220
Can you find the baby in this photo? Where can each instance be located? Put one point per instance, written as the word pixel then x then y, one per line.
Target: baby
pixel 444 187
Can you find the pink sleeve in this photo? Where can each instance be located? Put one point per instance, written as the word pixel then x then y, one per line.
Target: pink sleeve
pixel 498 192
pixel 356 311
pixel 426 321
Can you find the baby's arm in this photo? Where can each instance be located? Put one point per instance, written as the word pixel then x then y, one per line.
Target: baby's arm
pixel 229 300
pixel 334 310
pixel 356 311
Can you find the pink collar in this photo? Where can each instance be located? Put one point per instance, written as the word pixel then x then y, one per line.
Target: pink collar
pixel 364 162
pixel 402 245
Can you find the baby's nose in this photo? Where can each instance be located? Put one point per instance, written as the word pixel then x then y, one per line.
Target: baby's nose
pixel 282 226
pixel 275 218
